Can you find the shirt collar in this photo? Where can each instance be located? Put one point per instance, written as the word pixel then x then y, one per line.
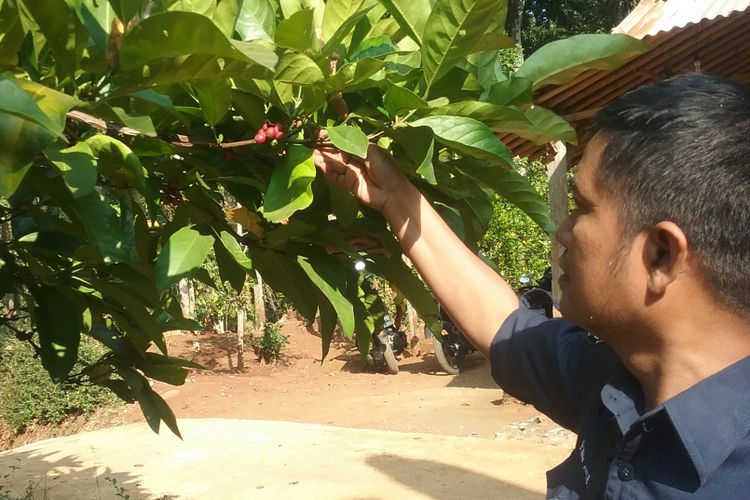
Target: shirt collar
pixel 712 417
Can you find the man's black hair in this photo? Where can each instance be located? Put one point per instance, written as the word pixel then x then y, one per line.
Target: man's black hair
pixel 679 151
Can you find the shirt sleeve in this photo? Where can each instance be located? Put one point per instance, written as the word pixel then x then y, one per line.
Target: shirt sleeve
pixel 551 363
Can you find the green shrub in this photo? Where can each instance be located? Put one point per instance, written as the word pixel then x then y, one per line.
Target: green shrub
pixel 269 346
pixel 28 395
pixel 513 241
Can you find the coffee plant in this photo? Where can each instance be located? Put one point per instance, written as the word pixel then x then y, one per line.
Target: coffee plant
pixel 125 124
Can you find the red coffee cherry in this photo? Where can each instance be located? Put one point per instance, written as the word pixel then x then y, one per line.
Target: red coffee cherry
pixel 260 138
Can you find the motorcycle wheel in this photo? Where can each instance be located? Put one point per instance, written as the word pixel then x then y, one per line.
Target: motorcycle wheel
pixel 388 356
pixel 447 362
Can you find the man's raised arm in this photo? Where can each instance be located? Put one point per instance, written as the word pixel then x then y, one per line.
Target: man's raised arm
pixel 475 297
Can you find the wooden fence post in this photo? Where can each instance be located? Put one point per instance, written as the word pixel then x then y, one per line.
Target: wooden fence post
pixel 558 201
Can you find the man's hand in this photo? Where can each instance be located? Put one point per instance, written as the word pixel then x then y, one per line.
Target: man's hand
pixel 376 181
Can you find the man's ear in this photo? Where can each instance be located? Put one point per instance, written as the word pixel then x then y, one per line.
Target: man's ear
pixel 665 255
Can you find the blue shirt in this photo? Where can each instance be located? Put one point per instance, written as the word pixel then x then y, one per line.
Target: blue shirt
pixel 695 445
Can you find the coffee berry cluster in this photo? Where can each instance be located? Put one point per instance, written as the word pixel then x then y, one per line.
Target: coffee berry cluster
pixel 269 132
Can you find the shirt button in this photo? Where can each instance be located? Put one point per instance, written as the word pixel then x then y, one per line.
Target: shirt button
pixel 625 472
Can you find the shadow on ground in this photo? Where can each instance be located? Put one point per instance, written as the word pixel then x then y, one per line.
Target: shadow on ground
pixel 440 480
pixel 51 476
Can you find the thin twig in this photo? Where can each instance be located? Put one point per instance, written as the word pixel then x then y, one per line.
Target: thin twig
pixel 178 140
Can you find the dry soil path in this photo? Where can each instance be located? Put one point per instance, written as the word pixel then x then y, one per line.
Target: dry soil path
pixel 306 429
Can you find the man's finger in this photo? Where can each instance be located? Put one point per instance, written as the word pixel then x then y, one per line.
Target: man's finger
pixel 327 163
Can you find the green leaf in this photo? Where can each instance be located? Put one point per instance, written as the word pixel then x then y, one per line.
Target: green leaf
pixel 118 162
pixel 282 273
pixel 325 271
pixel 512 91
pixel 349 139
pixel 173 34
pixel 547 126
pixel 166 368
pixel 11 34
pixel 64 34
pixel 215 97
pixel 226 14
pixel 78 166
pixel 251 108
pixel 487 67
pixel 140 326
pixel 512 186
pixel 54 104
pixel 126 9
pixel 344 29
pixel 232 261
pixel 374 47
pixel 419 145
pixel 121 389
pixel 411 15
pixel 15 101
pixel 58 321
pixel 394 270
pixel 559 62
pixel 154 408
pixel 492 42
pixel 191 69
pixel 291 7
pixel 452 30
pixel 297 68
pixel 103 227
pixel 343 204
pixel 20 142
pixel 328 320
pixel 398 98
pixel 369 311
pixel 205 8
pixel 297 32
pixel 97 17
pixel 230 243
pixel 336 13
pixel 290 187
pixel 181 255
pixel 256 21
pixel 468 136
pixel 229 270
pixel 537 124
pixel 162 101
pixel 142 124
pixel 352 75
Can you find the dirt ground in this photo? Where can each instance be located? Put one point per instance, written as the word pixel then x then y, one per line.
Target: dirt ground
pixel 341 391
pixel 298 417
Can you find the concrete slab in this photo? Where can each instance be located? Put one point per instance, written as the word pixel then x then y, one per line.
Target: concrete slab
pixel 249 459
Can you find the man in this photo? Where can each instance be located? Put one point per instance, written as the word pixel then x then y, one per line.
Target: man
pixel 655 264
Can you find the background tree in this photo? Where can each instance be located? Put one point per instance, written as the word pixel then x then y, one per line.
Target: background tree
pixel 547 20
pixel 514 23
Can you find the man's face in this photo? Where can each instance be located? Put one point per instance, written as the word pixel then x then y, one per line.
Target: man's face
pixel 597 267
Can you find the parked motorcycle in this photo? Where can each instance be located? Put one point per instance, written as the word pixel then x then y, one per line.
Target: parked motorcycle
pixel 538 297
pixel 451 351
pixel 386 345
pixel 454 346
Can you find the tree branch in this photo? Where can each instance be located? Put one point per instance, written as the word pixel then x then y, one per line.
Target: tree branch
pixel 178 140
